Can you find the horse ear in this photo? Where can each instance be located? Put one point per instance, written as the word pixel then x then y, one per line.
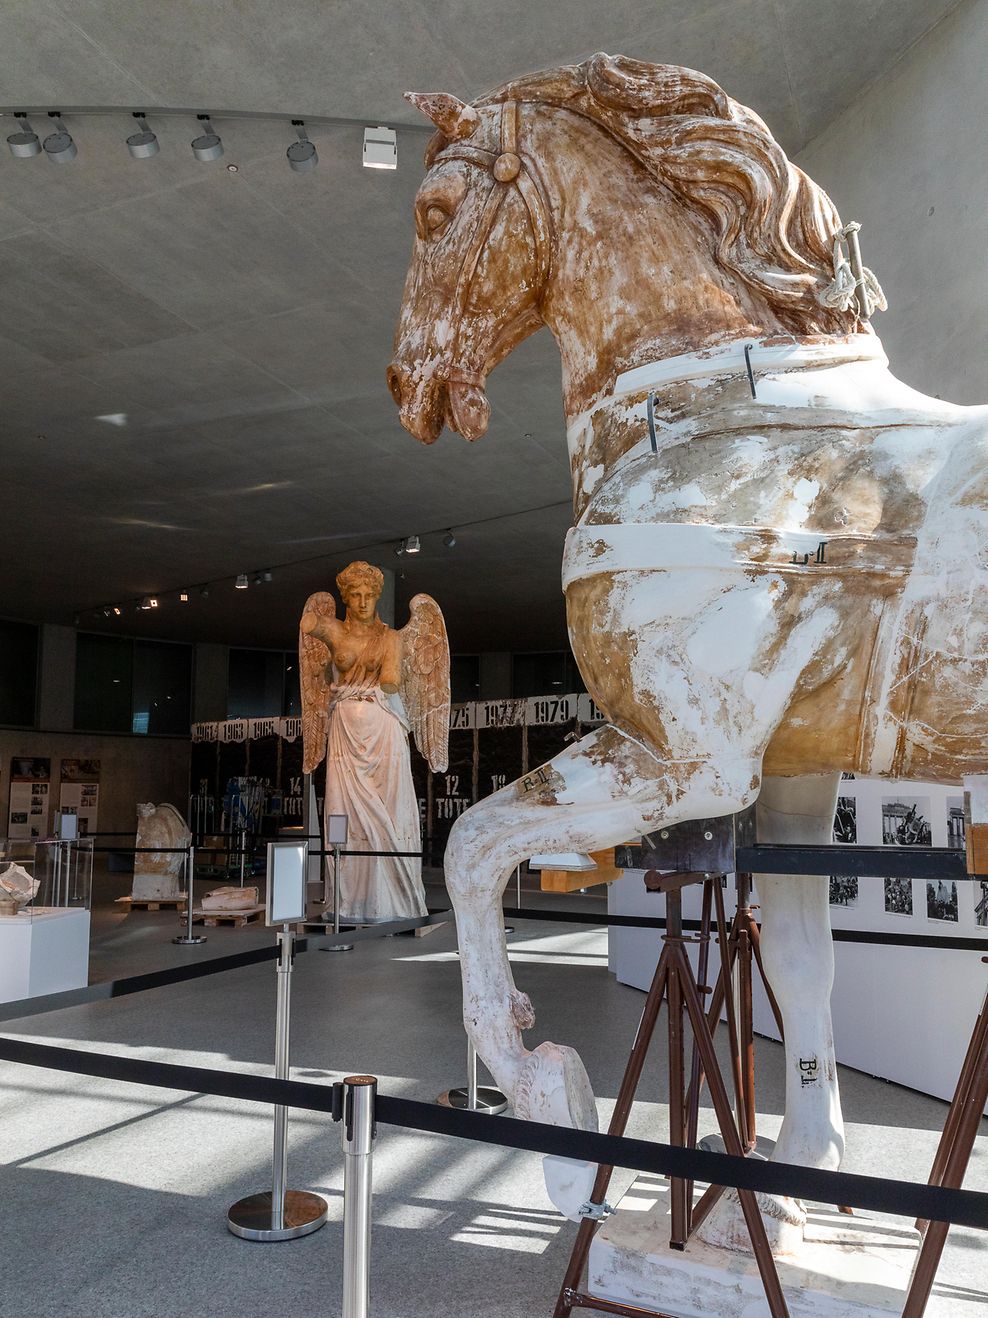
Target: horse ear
pixel 452 117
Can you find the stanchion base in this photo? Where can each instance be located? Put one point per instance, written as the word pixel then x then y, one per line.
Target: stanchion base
pixel 337 947
pixel 250 1218
pixel 183 941
pixel 489 1100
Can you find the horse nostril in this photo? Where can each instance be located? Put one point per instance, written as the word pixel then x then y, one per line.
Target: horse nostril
pixel 394 383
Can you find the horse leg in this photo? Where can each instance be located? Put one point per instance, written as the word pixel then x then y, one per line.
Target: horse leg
pixel 606 789
pixel 798 957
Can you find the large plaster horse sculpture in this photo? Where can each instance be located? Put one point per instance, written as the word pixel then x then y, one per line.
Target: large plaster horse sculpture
pixel 776 571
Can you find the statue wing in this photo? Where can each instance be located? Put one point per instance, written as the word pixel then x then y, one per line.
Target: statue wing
pixel 424 680
pixel 313 656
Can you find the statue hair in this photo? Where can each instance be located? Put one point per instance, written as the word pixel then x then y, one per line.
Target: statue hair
pixel 360 574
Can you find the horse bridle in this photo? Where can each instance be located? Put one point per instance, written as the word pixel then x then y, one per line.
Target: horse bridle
pixel 508 168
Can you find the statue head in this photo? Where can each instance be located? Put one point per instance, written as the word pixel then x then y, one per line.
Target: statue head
pixel 360 585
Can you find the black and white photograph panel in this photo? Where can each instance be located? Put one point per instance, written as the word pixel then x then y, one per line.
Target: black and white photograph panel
pixel 899 896
pixel 941 900
pixel 906 821
pixel 981 903
pixel 843 890
pixel 955 822
pixel 846 820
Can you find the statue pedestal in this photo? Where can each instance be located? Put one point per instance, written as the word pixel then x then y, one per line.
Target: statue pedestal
pixel 849 1267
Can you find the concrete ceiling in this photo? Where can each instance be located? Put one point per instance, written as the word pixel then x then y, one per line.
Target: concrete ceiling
pixel 192 360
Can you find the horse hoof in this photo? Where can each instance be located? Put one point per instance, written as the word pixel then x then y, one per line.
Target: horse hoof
pixel 553 1086
pixel 569 1184
pixel 783 1220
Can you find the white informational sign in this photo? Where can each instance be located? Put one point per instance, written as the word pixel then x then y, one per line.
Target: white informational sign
pixel 79 793
pixel 337 830
pixel 286 876
pixel 30 797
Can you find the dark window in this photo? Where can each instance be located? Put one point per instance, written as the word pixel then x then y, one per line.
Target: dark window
pixel 18 674
pixel 464 677
pixel 123 685
pixel 263 684
pixel 162 687
pixel 545 673
pixel 104 674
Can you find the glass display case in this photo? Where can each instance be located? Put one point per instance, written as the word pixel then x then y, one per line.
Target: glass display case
pixel 41 876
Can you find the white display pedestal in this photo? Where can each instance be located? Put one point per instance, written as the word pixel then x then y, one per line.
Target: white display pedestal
pixel 46 952
pixel 849 1267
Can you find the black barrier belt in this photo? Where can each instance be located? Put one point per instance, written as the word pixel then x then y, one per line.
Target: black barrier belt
pixel 657 922
pixel 119 988
pixel 331 851
pixel 903 1198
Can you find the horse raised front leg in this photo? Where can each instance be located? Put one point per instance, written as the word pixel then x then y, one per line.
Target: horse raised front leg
pixel 798 957
pixel 605 790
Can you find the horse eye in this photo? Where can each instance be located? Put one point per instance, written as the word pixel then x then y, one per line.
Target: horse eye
pixel 435 218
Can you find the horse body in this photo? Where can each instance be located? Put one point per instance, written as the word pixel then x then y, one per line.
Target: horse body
pixel 780 579
pixel 805 562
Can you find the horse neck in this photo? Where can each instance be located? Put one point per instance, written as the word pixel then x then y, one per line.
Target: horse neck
pixel 634 276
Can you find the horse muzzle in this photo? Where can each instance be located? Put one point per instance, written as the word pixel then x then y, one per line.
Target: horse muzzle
pixel 426 406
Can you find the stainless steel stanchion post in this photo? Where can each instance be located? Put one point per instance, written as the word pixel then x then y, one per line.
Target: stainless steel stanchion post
pixel 278 1213
pixel 189 937
pixel 357 1138
pixel 336 945
pixel 473 1097
pixel 243 854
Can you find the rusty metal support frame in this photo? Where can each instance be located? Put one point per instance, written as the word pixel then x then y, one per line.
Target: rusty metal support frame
pixel 952 1157
pixel 675 982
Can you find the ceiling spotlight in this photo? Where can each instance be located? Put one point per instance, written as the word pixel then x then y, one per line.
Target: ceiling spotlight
pixel 154 602
pixel 412 545
pixel 400 548
pixel 204 592
pixel 143 144
pixel 449 539
pixel 302 154
pixel 209 146
pixel 257 578
pixel 145 603
pixel 76 620
pixel 241 582
pixel 107 612
pixel 380 148
pixel 59 147
pixel 117 610
pixel 183 597
pixel 266 574
pixel 24 144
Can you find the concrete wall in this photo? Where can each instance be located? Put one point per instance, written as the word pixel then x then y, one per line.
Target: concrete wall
pixel 907 160
pixel 132 769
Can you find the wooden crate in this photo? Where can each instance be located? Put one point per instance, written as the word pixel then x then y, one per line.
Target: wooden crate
pixel 153 903
pixel 573 880
pixel 238 919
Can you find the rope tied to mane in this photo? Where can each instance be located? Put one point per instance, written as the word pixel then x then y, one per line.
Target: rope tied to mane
pixel 847 287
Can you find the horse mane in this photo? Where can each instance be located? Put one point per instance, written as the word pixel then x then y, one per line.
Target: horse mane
pixel 773 226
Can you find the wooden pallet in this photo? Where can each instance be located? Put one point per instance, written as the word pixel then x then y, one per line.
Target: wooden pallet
pixel 238 919
pixel 153 903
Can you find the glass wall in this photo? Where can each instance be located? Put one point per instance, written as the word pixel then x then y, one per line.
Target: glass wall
pixel 18 674
pixel 263 684
pixel 544 673
pixel 123 685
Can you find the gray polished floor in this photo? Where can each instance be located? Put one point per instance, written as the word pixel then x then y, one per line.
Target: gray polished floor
pixel 114 1196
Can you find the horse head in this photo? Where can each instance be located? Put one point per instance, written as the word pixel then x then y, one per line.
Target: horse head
pixel 479 266
pixel 634 208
